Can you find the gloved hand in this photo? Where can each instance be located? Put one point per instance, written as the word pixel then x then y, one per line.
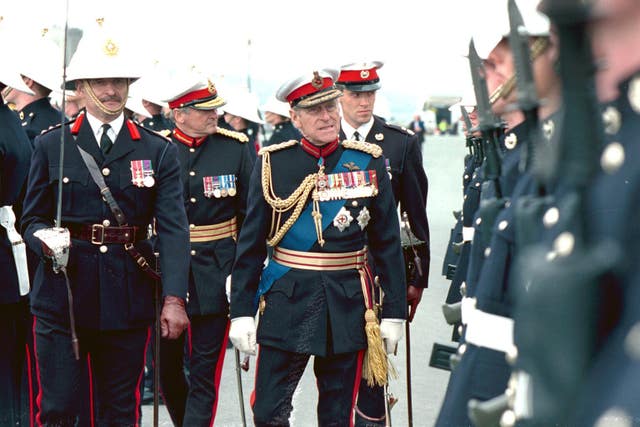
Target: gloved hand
pixel 243 334
pixel 391 331
pixel 173 319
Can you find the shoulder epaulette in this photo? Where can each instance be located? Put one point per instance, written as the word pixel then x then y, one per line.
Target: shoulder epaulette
pixel 58 126
pixel 233 134
pixel 367 147
pixel 399 128
pixel 161 134
pixel 276 147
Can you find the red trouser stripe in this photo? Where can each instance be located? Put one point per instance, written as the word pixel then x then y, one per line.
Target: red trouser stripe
pixel 218 371
pixel 27 354
pixel 356 386
pixel 252 399
pixel 39 397
pixel 92 414
pixel 138 397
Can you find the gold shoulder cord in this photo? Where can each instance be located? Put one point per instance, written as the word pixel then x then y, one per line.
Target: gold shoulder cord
pixel 295 201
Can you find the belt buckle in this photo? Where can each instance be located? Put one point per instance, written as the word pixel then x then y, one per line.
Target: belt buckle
pixel 94 229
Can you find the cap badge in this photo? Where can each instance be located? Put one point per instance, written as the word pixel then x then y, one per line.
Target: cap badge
pixel 317 80
pixel 100 21
pixel 364 74
pixel 211 87
pixel 44 32
pixel 110 48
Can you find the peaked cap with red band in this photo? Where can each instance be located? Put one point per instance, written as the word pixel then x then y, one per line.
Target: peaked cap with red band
pixel 196 92
pixel 310 89
pixel 360 76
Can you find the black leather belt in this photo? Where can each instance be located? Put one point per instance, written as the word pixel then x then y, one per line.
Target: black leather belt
pixel 98 234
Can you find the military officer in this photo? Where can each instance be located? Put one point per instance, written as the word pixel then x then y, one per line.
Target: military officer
pixel 100 316
pixel 15 154
pixel 40 71
pixel 215 166
pixel 317 202
pixel 276 113
pixel 359 83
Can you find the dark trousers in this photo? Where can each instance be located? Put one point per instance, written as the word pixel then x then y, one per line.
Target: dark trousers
pixel 370 408
pixel 16 365
pixel 193 402
pixel 278 373
pixel 116 368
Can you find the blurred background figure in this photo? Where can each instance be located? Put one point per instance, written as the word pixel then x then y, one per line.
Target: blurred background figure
pixel 241 113
pixel 276 114
pixel 417 126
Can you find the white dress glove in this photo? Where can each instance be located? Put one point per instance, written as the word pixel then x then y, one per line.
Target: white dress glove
pixel 243 334
pixel 391 331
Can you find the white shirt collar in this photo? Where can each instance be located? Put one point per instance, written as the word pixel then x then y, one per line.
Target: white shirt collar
pixel 362 130
pixel 96 127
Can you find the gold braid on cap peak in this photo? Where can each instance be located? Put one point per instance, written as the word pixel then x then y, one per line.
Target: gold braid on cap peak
pixel 367 147
pixel 295 201
pixel 233 134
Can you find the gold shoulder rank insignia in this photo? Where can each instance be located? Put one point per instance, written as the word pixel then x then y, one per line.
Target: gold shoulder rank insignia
pixel 233 134
pixel 276 147
pixel 367 147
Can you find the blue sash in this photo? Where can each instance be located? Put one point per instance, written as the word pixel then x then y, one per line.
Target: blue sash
pixel 302 236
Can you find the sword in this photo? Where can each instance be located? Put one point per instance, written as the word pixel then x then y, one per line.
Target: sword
pixel 239 380
pixel 407 329
pixel 156 344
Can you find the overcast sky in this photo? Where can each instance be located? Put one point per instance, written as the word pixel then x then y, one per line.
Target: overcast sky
pixel 421 43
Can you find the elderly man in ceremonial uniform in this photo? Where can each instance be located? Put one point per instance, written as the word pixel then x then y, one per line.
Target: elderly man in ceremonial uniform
pixel 95 308
pixel 216 166
pixel 15 152
pixel 318 202
pixel 403 160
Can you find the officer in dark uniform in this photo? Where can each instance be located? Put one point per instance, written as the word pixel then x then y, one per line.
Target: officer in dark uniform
pixel 41 73
pixel 359 82
pixel 109 279
pixel 15 154
pixel 317 202
pixel 276 113
pixel 215 167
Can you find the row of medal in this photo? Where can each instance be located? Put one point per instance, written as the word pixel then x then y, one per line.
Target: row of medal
pixel 219 186
pixel 142 173
pixel 347 185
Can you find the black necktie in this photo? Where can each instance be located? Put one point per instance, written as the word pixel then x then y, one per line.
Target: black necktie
pixel 105 141
pixel 356 136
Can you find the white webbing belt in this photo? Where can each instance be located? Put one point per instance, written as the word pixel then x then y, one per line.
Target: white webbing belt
pixel 467 233
pixel 488 330
pixel 8 221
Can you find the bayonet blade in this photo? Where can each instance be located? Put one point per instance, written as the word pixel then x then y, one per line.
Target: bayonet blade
pixel 486 118
pixel 519 43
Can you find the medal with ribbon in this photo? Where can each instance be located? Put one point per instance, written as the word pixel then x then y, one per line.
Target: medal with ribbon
pixel 142 173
